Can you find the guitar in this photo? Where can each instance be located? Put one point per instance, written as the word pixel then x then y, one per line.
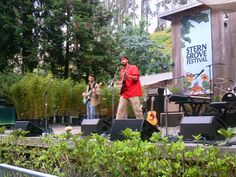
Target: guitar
pixel 88 96
pixel 151 115
pixel 123 81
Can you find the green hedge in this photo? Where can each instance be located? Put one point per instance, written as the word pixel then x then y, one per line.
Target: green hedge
pixel 95 155
pixel 64 97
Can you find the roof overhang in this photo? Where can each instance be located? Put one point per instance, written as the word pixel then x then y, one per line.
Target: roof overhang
pixel 168 15
pixel 223 5
pixel 155 78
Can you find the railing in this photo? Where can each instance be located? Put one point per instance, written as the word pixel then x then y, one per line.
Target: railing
pixel 13 171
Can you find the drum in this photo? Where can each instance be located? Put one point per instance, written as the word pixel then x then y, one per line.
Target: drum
pixel 234 89
pixel 229 97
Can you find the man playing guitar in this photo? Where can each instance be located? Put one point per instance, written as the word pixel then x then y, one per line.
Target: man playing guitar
pixel 130 90
pixel 91 97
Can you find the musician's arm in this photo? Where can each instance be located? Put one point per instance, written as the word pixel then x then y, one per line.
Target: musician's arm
pixel 132 77
pixel 133 74
pixel 97 90
pixel 86 92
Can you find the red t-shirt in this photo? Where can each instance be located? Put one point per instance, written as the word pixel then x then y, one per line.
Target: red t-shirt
pixel 131 88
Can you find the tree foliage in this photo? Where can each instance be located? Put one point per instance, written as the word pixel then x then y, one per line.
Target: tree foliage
pixel 135 42
pixel 17 45
pixel 73 38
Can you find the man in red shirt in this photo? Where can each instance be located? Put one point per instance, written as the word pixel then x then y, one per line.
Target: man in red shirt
pixel 130 90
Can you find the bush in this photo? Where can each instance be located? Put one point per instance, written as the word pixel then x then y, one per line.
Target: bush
pixel 29 96
pixel 6 81
pixel 69 155
pixel 63 97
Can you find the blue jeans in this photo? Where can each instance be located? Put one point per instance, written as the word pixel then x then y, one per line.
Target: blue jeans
pixel 91 110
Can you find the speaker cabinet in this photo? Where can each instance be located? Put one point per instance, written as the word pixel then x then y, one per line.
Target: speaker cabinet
pixel 207 126
pixel 139 125
pixel 28 126
pixel 230 119
pixel 99 126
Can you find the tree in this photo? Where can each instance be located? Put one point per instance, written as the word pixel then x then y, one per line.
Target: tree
pixel 72 37
pixel 135 42
pixel 17 46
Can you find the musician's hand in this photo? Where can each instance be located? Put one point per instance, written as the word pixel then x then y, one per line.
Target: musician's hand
pixel 83 94
pixel 125 75
pixel 131 77
pixel 118 82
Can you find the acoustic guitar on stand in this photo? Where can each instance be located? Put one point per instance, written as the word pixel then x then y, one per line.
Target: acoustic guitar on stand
pixel 152 115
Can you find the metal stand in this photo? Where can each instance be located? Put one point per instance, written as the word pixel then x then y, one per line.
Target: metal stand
pixel 167 101
pixel 166 108
pixel 46 131
pixel 211 82
pixel 113 94
pixel 46 111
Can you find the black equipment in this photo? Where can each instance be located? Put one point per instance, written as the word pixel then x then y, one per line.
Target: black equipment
pixel 226 109
pixel 207 126
pixel 173 119
pixel 229 97
pixel 139 125
pixel 195 102
pixel 99 126
pixel 224 106
pixel 7 116
pixel 33 129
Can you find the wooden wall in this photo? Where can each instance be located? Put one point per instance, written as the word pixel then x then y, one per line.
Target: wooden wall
pixel 223 46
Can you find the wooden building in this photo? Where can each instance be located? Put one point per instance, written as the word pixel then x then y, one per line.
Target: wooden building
pixel 222 49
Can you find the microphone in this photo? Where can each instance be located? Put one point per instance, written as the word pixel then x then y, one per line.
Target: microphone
pixel 117 69
pixel 215 64
pixel 197 75
pixel 220 64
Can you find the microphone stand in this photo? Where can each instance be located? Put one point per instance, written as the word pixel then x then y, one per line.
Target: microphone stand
pixel 212 81
pixel 46 107
pixel 166 107
pixel 113 95
pixel 167 102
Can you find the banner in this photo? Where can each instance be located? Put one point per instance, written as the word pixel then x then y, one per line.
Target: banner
pixel 196 53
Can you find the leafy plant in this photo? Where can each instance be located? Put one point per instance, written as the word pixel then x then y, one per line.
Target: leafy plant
pixel 95 155
pixel 2 129
pixel 228 134
pixel 29 96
